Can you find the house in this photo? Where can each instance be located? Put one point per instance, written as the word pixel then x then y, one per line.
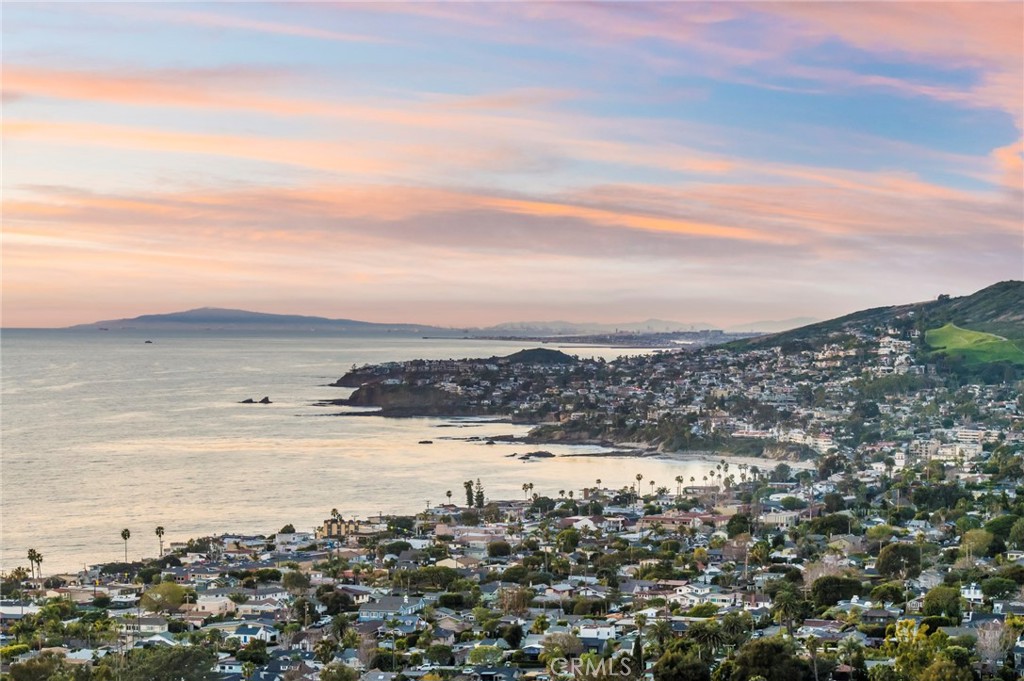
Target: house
pixel 847 544
pixel 877 616
pixel 496 674
pixel 135 626
pixel 779 520
pixel 972 593
pixel 388 607
pixel 212 605
pixel 459 563
pixel 601 632
pixel 228 665
pixel 247 633
pixel 358 594
pixel 377 675
pixel 163 640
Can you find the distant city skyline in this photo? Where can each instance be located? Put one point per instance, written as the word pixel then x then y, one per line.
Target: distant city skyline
pixel 464 164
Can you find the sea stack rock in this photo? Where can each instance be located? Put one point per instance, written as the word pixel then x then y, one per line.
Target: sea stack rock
pixel 266 400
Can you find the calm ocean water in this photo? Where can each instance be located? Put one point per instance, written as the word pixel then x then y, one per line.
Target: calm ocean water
pixel 101 431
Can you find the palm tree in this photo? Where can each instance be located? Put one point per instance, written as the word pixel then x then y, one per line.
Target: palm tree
pixel 160 536
pixel 526 490
pixel 126 535
pixel 813 644
pixel 32 553
pixel 679 485
pixel 661 630
pixel 449 495
pixel 849 648
pixel 708 635
pixel 652 488
pixel 787 607
pixel 737 627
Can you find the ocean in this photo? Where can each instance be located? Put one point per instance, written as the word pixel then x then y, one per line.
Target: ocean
pixel 103 431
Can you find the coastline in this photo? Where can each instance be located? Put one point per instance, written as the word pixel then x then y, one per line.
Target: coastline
pixel 641 450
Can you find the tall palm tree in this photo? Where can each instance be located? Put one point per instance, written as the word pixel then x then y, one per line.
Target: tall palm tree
pixel 813 645
pixel 849 648
pixel 126 535
pixel 160 536
pixel 708 635
pixel 449 495
pixel 526 490
pixel 32 553
pixel 679 485
pixel 661 630
pixel 787 607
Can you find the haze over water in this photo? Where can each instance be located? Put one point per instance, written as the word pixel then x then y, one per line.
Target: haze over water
pixel 102 431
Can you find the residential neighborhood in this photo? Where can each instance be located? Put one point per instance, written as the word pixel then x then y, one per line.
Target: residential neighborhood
pixel 879 537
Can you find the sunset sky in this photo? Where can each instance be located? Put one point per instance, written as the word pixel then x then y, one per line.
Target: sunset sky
pixel 469 164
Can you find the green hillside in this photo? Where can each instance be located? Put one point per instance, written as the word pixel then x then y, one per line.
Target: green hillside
pixel 996 309
pixel 974 347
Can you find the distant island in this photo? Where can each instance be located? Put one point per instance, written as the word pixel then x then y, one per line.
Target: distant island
pixel 221 319
pixel 649 333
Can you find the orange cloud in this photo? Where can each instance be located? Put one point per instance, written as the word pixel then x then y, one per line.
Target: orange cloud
pixel 395 243
pixel 496 132
pixel 1009 162
pixel 629 219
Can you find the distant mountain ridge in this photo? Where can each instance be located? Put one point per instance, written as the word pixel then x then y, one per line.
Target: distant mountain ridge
pixel 772 325
pixel 564 328
pixel 997 309
pixel 216 318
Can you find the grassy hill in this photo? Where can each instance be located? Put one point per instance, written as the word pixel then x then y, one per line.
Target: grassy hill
pixel 973 347
pixel 996 309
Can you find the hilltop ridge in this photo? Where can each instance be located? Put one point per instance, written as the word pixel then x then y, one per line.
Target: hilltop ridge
pixel 997 309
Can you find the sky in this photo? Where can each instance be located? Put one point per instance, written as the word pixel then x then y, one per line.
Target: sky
pixel 468 164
